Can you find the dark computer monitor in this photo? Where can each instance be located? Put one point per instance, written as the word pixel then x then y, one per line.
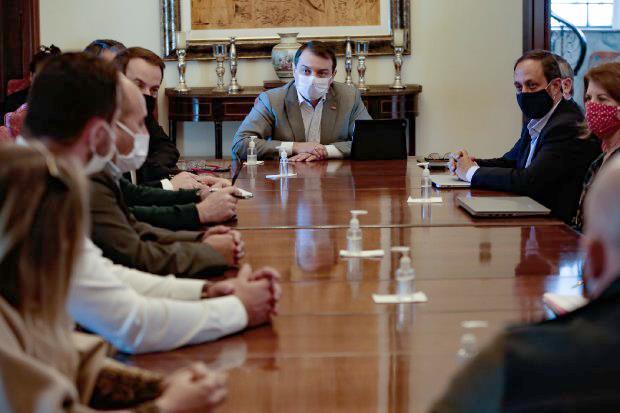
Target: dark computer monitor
pixel 379 140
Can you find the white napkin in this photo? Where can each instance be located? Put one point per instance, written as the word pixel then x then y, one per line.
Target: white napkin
pixel 245 194
pixel 417 297
pixel 362 254
pixel 242 193
pixel 279 176
pixel 257 163
pixel 432 200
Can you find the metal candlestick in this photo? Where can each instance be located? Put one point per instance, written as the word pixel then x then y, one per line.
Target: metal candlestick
pixel 361 49
pixel 348 61
pixel 181 65
pixel 219 52
pixel 398 64
pixel 233 87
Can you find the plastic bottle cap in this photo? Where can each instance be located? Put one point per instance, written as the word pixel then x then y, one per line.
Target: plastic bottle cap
pixel 405 261
pixel 355 223
pixel 252 143
pixel 426 171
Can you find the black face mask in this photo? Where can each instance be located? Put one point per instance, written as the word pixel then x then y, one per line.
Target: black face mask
pixel 150 105
pixel 535 105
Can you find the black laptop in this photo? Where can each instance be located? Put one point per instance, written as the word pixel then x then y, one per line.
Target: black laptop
pixel 379 139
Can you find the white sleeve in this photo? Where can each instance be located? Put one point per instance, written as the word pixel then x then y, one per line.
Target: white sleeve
pixel 167 185
pixel 133 323
pixel 288 147
pixel 471 172
pixel 333 152
pixel 154 285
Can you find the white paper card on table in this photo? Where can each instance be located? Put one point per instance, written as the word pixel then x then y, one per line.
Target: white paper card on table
pixel 474 324
pixel 245 194
pixel 562 304
pixel 417 297
pixel 279 176
pixel 362 254
pixel 432 200
pixel 257 163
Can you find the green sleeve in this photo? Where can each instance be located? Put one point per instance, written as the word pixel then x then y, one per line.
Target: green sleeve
pixel 174 218
pixel 140 195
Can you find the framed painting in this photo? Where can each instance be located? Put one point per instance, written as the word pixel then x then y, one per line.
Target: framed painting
pixel 256 24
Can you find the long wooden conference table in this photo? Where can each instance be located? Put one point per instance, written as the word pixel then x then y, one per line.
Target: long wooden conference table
pixel 331 349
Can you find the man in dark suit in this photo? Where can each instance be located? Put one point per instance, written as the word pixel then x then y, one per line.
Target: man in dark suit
pixel 568 364
pixel 549 160
pixel 146 70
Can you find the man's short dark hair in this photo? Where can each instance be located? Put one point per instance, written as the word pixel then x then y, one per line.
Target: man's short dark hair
pixel 99 45
pixel 551 67
pixel 69 91
pixel 320 49
pixel 565 68
pixel 122 59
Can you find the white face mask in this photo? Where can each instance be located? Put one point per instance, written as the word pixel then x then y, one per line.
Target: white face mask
pixel 312 87
pixel 98 162
pixel 136 157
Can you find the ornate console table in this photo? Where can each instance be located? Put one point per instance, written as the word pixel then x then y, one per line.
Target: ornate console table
pixel 205 105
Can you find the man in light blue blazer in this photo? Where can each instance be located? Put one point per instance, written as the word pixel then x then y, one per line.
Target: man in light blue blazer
pixel 312 118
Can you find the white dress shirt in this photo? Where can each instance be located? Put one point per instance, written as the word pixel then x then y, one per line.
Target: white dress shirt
pixel 139 312
pixel 534 127
pixel 312 126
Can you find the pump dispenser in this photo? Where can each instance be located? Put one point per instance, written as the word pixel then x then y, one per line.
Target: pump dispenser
pixel 426 184
pixel 404 274
pixel 283 162
pixel 354 233
pixel 251 158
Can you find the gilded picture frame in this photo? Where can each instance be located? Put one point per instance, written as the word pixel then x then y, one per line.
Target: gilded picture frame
pixel 258 47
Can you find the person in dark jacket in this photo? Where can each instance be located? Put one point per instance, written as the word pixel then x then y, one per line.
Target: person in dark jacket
pixel 146 70
pixel 568 364
pixel 549 161
pixel 124 239
pixel 174 210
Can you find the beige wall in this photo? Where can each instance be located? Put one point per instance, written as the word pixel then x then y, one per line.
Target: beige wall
pixel 463 52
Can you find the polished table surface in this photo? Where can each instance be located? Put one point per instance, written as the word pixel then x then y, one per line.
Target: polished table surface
pixel 331 349
pixel 323 194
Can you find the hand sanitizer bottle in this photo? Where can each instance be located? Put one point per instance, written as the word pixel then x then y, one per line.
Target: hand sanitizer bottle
pixel 404 274
pixel 426 183
pixel 283 162
pixel 354 233
pixel 251 159
pixel 469 347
